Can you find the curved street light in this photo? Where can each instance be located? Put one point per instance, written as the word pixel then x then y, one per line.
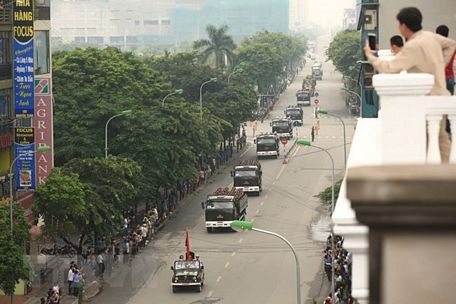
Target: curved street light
pixel 249 226
pixel 41 149
pixel 235 70
pixel 322 111
pixel 308 143
pixel 126 112
pixel 176 92
pixel 201 94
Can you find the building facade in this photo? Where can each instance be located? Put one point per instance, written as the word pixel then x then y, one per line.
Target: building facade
pixel 112 22
pixel 25 109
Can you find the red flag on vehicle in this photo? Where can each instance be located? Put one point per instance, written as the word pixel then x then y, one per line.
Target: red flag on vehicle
pixel 188 255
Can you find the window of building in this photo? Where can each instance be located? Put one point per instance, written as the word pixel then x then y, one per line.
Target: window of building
pixel 5 56
pixel 24 122
pixel 5 99
pixel 97 40
pixel 116 39
pixel 41 60
pixel 151 22
pixel 166 22
pixel 132 39
pixel 137 23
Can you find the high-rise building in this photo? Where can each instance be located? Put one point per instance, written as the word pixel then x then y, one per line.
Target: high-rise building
pixel 130 23
pixel 244 18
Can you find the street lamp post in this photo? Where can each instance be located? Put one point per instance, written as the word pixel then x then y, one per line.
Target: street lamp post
pixel 176 92
pixel 333 251
pixel 201 95
pixel 249 226
pixel 126 112
pixel 321 111
pixel 235 70
pixel 39 150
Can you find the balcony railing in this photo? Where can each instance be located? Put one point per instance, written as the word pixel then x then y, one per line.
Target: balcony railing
pixel 5 15
pixel 43 13
pixel 405 133
pixel 5 71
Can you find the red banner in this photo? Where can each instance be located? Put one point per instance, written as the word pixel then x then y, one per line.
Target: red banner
pixel 43 124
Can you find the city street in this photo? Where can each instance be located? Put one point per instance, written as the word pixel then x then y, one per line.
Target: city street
pixel 249 267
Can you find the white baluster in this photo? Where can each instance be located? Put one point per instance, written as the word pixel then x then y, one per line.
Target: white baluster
pixel 433 155
pixel 452 118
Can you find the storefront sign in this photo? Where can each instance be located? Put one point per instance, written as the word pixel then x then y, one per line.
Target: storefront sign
pixel 25 164
pixel 23 69
pixel 43 128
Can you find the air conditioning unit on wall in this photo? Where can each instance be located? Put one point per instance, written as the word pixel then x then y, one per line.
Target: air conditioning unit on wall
pixel 370 20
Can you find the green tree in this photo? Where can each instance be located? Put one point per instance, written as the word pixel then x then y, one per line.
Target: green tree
pixel 88 196
pixel 268 58
pixel 13 265
pixel 325 196
pixel 345 51
pixel 219 46
pixel 90 86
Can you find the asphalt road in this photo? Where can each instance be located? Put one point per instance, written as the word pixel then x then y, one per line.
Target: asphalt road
pixel 249 267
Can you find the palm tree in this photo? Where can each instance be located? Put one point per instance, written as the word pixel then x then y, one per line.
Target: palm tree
pixel 220 45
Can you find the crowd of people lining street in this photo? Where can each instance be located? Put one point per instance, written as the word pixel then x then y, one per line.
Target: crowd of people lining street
pixel 342 270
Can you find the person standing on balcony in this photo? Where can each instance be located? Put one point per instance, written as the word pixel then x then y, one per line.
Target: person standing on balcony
pixel 443 30
pixel 423 52
pixel 396 44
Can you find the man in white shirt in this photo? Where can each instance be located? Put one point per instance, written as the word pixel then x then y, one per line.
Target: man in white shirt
pixel 70 280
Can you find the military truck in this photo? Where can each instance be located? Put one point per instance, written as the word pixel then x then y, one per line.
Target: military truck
pixel 267 145
pixel 303 98
pixel 295 114
pixel 224 206
pixel 317 71
pixel 283 127
pixel 247 176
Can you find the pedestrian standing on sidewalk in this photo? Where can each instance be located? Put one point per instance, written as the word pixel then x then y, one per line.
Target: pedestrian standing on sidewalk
pixel 100 264
pixel 70 279
pixel 312 133
pixel 76 282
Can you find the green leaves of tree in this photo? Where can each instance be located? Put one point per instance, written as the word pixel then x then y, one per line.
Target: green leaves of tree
pixel 13 266
pixel 345 51
pixel 266 55
pixel 219 45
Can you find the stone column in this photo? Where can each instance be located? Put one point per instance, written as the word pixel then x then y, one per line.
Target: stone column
pixel 402 114
pixel 411 215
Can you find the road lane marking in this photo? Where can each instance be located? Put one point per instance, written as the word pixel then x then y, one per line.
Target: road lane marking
pixel 233 254
pixel 253 220
pixel 258 211
pixel 227 264
pixel 262 203
pixel 242 154
pixel 278 175
pixel 241 239
pixel 296 151
pixel 209 294
pixel 218 279
pixel 266 197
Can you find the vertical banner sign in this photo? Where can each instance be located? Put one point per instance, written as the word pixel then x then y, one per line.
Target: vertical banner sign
pixel 42 121
pixel 23 69
pixel 25 164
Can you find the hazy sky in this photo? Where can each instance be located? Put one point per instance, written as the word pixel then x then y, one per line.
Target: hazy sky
pixel 327 12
